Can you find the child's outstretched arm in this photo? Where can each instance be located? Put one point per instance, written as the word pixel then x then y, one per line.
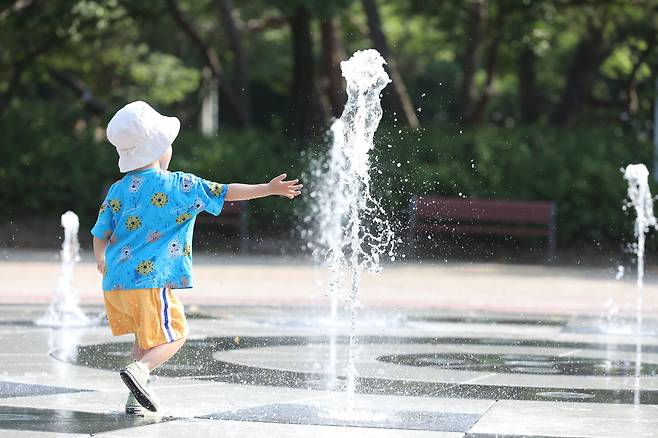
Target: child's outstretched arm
pixel 279 187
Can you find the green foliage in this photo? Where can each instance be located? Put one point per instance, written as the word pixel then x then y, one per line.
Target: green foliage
pixel 163 77
pixel 47 170
pixel 249 157
pixel 578 169
pixel 55 156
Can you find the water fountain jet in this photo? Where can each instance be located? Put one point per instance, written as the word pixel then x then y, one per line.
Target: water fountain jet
pixel 353 232
pixel 64 310
pixel 641 200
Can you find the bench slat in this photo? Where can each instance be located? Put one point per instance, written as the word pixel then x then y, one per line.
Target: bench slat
pixel 487 210
pixel 484 229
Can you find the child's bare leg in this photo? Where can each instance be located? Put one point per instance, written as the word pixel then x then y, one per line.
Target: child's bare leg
pixel 156 356
pixel 138 352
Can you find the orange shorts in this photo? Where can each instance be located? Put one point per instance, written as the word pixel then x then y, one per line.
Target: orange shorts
pixel 155 316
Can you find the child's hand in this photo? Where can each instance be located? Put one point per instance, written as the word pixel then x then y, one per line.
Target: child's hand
pixel 289 189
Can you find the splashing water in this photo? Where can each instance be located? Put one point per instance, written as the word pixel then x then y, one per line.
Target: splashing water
pixel 64 310
pixel 620 272
pixel 352 229
pixel 640 199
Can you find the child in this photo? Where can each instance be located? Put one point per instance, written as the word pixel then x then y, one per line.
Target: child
pixel 143 240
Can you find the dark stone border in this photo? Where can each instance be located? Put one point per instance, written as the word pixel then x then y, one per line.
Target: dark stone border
pixel 13 389
pixel 197 362
pixel 383 419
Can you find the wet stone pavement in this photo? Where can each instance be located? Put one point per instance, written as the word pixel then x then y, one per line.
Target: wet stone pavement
pixel 279 372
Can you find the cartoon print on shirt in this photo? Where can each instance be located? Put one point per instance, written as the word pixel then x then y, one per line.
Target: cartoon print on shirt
pixel 115 204
pixel 144 267
pixel 159 199
pixel 183 217
pixel 174 249
pixel 199 204
pixel 126 252
pixel 135 184
pixel 133 223
pixel 151 236
pixel 186 184
pixel 216 188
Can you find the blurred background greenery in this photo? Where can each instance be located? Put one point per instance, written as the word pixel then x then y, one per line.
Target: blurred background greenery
pixel 510 99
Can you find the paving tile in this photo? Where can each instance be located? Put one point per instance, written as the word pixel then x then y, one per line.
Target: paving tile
pixel 262 371
pixel 66 421
pixel 380 418
pixel 241 429
pixel 519 418
pixel 11 389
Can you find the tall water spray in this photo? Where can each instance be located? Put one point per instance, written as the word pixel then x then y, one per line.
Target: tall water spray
pixel 64 310
pixel 641 200
pixel 352 229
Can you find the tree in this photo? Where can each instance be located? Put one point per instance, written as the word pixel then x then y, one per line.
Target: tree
pixel 22 49
pixel 399 97
pixel 478 25
pixel 305 119
pixel 332 54
pixel 234 37
pixel 211 59
pixel 591 51
pixel 609 62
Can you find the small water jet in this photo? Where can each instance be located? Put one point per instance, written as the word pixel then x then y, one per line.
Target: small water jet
pixel 64 309
pixel 640 199
pixel 353 232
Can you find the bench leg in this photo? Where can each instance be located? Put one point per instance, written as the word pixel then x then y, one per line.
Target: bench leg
pixel 552 236
pixel 411 231
pixel 244 228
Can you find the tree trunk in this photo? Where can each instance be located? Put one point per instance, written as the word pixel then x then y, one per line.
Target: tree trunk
pixel 399 97
pixel 632 98
pixel 8 93
pixel 588 57
pixel 528 93
pixel 304 117
pixel 470 59
pixel 240 62
pixel 491 65
pixel 332 54
pixel 92 103
pixel 212 62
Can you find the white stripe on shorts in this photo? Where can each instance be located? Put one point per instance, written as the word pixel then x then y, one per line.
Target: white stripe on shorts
pixel 165 315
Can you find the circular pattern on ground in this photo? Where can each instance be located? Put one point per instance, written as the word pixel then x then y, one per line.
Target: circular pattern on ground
pixel 213 359
pixel 522 364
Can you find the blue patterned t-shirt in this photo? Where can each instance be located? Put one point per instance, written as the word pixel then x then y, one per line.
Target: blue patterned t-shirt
pixel 148 217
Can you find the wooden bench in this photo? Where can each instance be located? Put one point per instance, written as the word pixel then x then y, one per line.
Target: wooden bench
pixel 234 214
pixel 434 214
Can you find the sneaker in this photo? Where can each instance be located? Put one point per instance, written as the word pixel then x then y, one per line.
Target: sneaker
pixel 136 377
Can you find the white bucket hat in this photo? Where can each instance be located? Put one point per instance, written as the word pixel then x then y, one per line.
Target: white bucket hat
pixel 140 134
